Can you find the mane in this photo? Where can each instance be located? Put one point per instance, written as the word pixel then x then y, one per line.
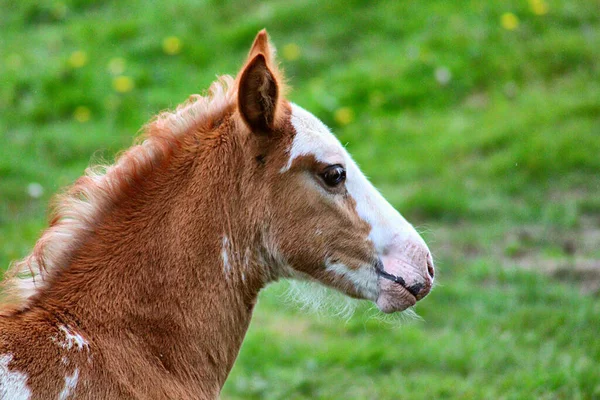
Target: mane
pixel 75 212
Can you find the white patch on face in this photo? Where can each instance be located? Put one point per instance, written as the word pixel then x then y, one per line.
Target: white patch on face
pixel 70 385
pixel 72 339
pixel 388 228
pixel 364 279
pixel 13 384
pixel 314 138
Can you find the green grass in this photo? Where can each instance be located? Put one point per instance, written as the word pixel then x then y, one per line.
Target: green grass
pixel 499 166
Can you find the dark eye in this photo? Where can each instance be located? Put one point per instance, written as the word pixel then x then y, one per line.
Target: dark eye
pixel 334 175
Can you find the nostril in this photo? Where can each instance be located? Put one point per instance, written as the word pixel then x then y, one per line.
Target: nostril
pixel 430 269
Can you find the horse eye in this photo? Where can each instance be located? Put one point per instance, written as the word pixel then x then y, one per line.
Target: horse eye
pixel 334 175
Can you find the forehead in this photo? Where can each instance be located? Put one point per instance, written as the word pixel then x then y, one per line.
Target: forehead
pixel 314 138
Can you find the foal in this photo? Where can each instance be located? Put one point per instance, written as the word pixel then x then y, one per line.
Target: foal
pixel 144 284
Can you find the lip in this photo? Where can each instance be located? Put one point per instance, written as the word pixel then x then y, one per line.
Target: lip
pixel 395 295
pixel 413 290
pixel 394 298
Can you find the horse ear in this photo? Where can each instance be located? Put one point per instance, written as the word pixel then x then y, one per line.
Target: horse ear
pixel 262 45
pixel 259 87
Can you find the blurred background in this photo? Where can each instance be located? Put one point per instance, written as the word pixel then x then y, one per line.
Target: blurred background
pixel 478 120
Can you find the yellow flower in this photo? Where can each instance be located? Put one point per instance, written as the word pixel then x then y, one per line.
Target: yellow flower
pixel 538 7
pixel 123 84
pixel 171 45
pixel 82 114
pixel 509 21
pixel 291 52
pixel 344 115
pixel 78 59
pixel 116 66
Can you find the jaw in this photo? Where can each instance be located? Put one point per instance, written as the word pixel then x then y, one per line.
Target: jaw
pixel 391 287
pixel 368 282
pixel 389 296
pixel 359 283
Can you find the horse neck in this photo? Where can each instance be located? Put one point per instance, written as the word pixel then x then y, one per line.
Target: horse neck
pixel 170 269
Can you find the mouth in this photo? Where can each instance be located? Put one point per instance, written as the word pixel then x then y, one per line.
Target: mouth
pixel 395 295
pixel 414 289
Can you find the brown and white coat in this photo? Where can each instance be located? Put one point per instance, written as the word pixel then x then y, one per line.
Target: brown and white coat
pixel 144 284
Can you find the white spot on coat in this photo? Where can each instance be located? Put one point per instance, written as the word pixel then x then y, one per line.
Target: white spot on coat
pixel 72 339
pixel 225 257
pixel 70 385
pixel 13 384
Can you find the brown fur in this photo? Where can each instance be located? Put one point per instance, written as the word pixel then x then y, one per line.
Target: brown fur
pixel 142 280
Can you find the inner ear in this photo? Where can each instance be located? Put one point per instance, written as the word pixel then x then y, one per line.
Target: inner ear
pixel 257 95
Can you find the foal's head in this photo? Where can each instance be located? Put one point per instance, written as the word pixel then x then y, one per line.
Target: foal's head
pixel 323 220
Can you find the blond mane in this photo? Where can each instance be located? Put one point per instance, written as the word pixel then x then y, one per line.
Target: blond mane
pixel 75 212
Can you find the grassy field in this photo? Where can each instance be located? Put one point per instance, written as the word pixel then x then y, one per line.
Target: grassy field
pixel 480 121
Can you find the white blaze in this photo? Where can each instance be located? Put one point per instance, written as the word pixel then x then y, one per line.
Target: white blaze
pixel 13 384
pixel 388 227
pixel 314 138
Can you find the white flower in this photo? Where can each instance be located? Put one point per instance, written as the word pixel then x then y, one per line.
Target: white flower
pixel 442 75
pixel 35 190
